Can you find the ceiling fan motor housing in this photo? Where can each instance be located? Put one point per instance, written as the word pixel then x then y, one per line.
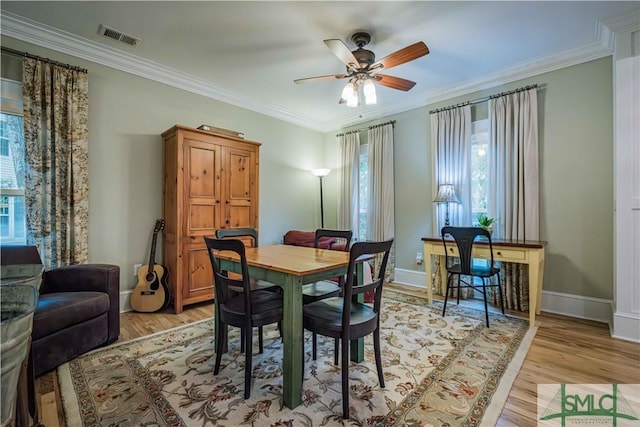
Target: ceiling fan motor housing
pixel 365 57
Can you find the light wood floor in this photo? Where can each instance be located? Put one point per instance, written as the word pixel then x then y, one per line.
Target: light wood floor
pixel 565 350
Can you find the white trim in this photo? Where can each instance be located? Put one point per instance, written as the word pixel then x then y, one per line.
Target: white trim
pixel 582 307
pixel 412 278
pixel 626 327
pixel 125 301
pixel 52 38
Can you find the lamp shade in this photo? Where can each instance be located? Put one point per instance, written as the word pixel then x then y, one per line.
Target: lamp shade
pixel 446 194
pixel 320 172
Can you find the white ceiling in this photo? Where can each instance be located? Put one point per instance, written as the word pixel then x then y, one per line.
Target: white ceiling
pixel 248 53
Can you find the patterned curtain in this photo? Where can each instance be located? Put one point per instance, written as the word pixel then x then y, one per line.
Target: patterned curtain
pixel 513 183
pixel 381 212
pixel 56 158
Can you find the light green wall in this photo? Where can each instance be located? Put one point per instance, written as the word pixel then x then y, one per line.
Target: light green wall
pixel 128 113
pixel 576 176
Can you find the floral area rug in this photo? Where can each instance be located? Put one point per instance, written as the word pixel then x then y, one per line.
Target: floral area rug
pixel 439 371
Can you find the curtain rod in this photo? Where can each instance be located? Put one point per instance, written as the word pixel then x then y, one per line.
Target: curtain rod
pixel 391 122
pixel 486 98
pixel 51 61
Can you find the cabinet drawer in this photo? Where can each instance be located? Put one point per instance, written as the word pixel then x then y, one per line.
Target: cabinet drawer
pixel 499 254
pixel 514 255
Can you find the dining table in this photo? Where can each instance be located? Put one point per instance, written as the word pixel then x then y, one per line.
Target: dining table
pixel 291 267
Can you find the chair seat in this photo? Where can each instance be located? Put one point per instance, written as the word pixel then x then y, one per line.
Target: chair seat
pixel 254 285
pixel 475 271
pixel 325 316
pixel 312 292
pixel 266 305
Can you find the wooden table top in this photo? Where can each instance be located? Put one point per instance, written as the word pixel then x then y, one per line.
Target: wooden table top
pixel 291 259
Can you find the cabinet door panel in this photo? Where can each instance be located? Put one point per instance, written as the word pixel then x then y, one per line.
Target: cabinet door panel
pixel 202 188
pixel 199 276
pixel 201 218
pixel 239 217
pixel 239 184
pixel 239 176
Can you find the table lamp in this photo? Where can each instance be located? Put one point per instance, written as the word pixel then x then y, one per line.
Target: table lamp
pixel 446 195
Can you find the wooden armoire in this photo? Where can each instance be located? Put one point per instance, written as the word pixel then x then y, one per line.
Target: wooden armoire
pixel 210 182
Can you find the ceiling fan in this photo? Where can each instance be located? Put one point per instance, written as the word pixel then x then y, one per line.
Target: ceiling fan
pixel 363 69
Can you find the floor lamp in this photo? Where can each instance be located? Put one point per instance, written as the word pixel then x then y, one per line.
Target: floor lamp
pixel 446 195
pixel 321 173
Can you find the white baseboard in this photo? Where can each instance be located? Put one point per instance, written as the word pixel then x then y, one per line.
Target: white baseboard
pixel 626 326
pixel 582 307
pixel 410 278
pixel 125 301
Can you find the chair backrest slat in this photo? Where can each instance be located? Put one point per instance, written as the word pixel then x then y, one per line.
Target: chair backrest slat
pixel 351 287
pixel 223 284
pixel 464 238
pixel 344 235
pixel 226 233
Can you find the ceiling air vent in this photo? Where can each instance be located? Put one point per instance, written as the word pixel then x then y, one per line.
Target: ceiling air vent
pixel 103 30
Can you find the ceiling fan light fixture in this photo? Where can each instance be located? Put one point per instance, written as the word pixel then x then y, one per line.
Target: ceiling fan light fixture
pixel 352 101
pixel 362 68
pixel 347 92
pixel 369 89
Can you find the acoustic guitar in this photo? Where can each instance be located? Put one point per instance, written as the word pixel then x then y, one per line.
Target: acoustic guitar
pixel 152 291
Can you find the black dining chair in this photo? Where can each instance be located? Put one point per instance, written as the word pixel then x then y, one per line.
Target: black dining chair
pixel 249 235
pixel 464 239
pixel 343 318
pixel 246 310
pixel 317 291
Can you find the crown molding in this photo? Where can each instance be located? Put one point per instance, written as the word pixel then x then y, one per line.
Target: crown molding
pixel 61 41
pixel 52 38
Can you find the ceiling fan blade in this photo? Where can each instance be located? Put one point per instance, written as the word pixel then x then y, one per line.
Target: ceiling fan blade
pixel 329 77
pixel 401 56
pixel 394 82
pixel 343 53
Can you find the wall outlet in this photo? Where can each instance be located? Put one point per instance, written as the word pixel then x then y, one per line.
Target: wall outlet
pixel 136 267
pixel 419 258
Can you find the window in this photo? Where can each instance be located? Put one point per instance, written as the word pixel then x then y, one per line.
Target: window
pixel 4 139
pixel 12 206
pixel 363 192
pixel 479 167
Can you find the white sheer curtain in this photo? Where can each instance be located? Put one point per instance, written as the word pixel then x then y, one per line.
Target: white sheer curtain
pixel 348 166
pixel 513 182
pixel 381 211
pixel 451 139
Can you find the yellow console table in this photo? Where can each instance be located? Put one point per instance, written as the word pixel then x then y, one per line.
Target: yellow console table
pixel 521 252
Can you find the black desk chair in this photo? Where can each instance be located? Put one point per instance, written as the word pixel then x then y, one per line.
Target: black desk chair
pixel 317 291
pixel 249 235
pixel 342 318
pixel 464 238
pixel 246 310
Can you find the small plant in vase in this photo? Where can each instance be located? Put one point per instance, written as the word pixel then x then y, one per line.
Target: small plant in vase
pixel 486 222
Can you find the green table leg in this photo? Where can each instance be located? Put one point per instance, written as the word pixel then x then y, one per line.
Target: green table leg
pixel 292 331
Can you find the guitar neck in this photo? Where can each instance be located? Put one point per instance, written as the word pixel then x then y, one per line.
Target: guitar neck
pixel 152 255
